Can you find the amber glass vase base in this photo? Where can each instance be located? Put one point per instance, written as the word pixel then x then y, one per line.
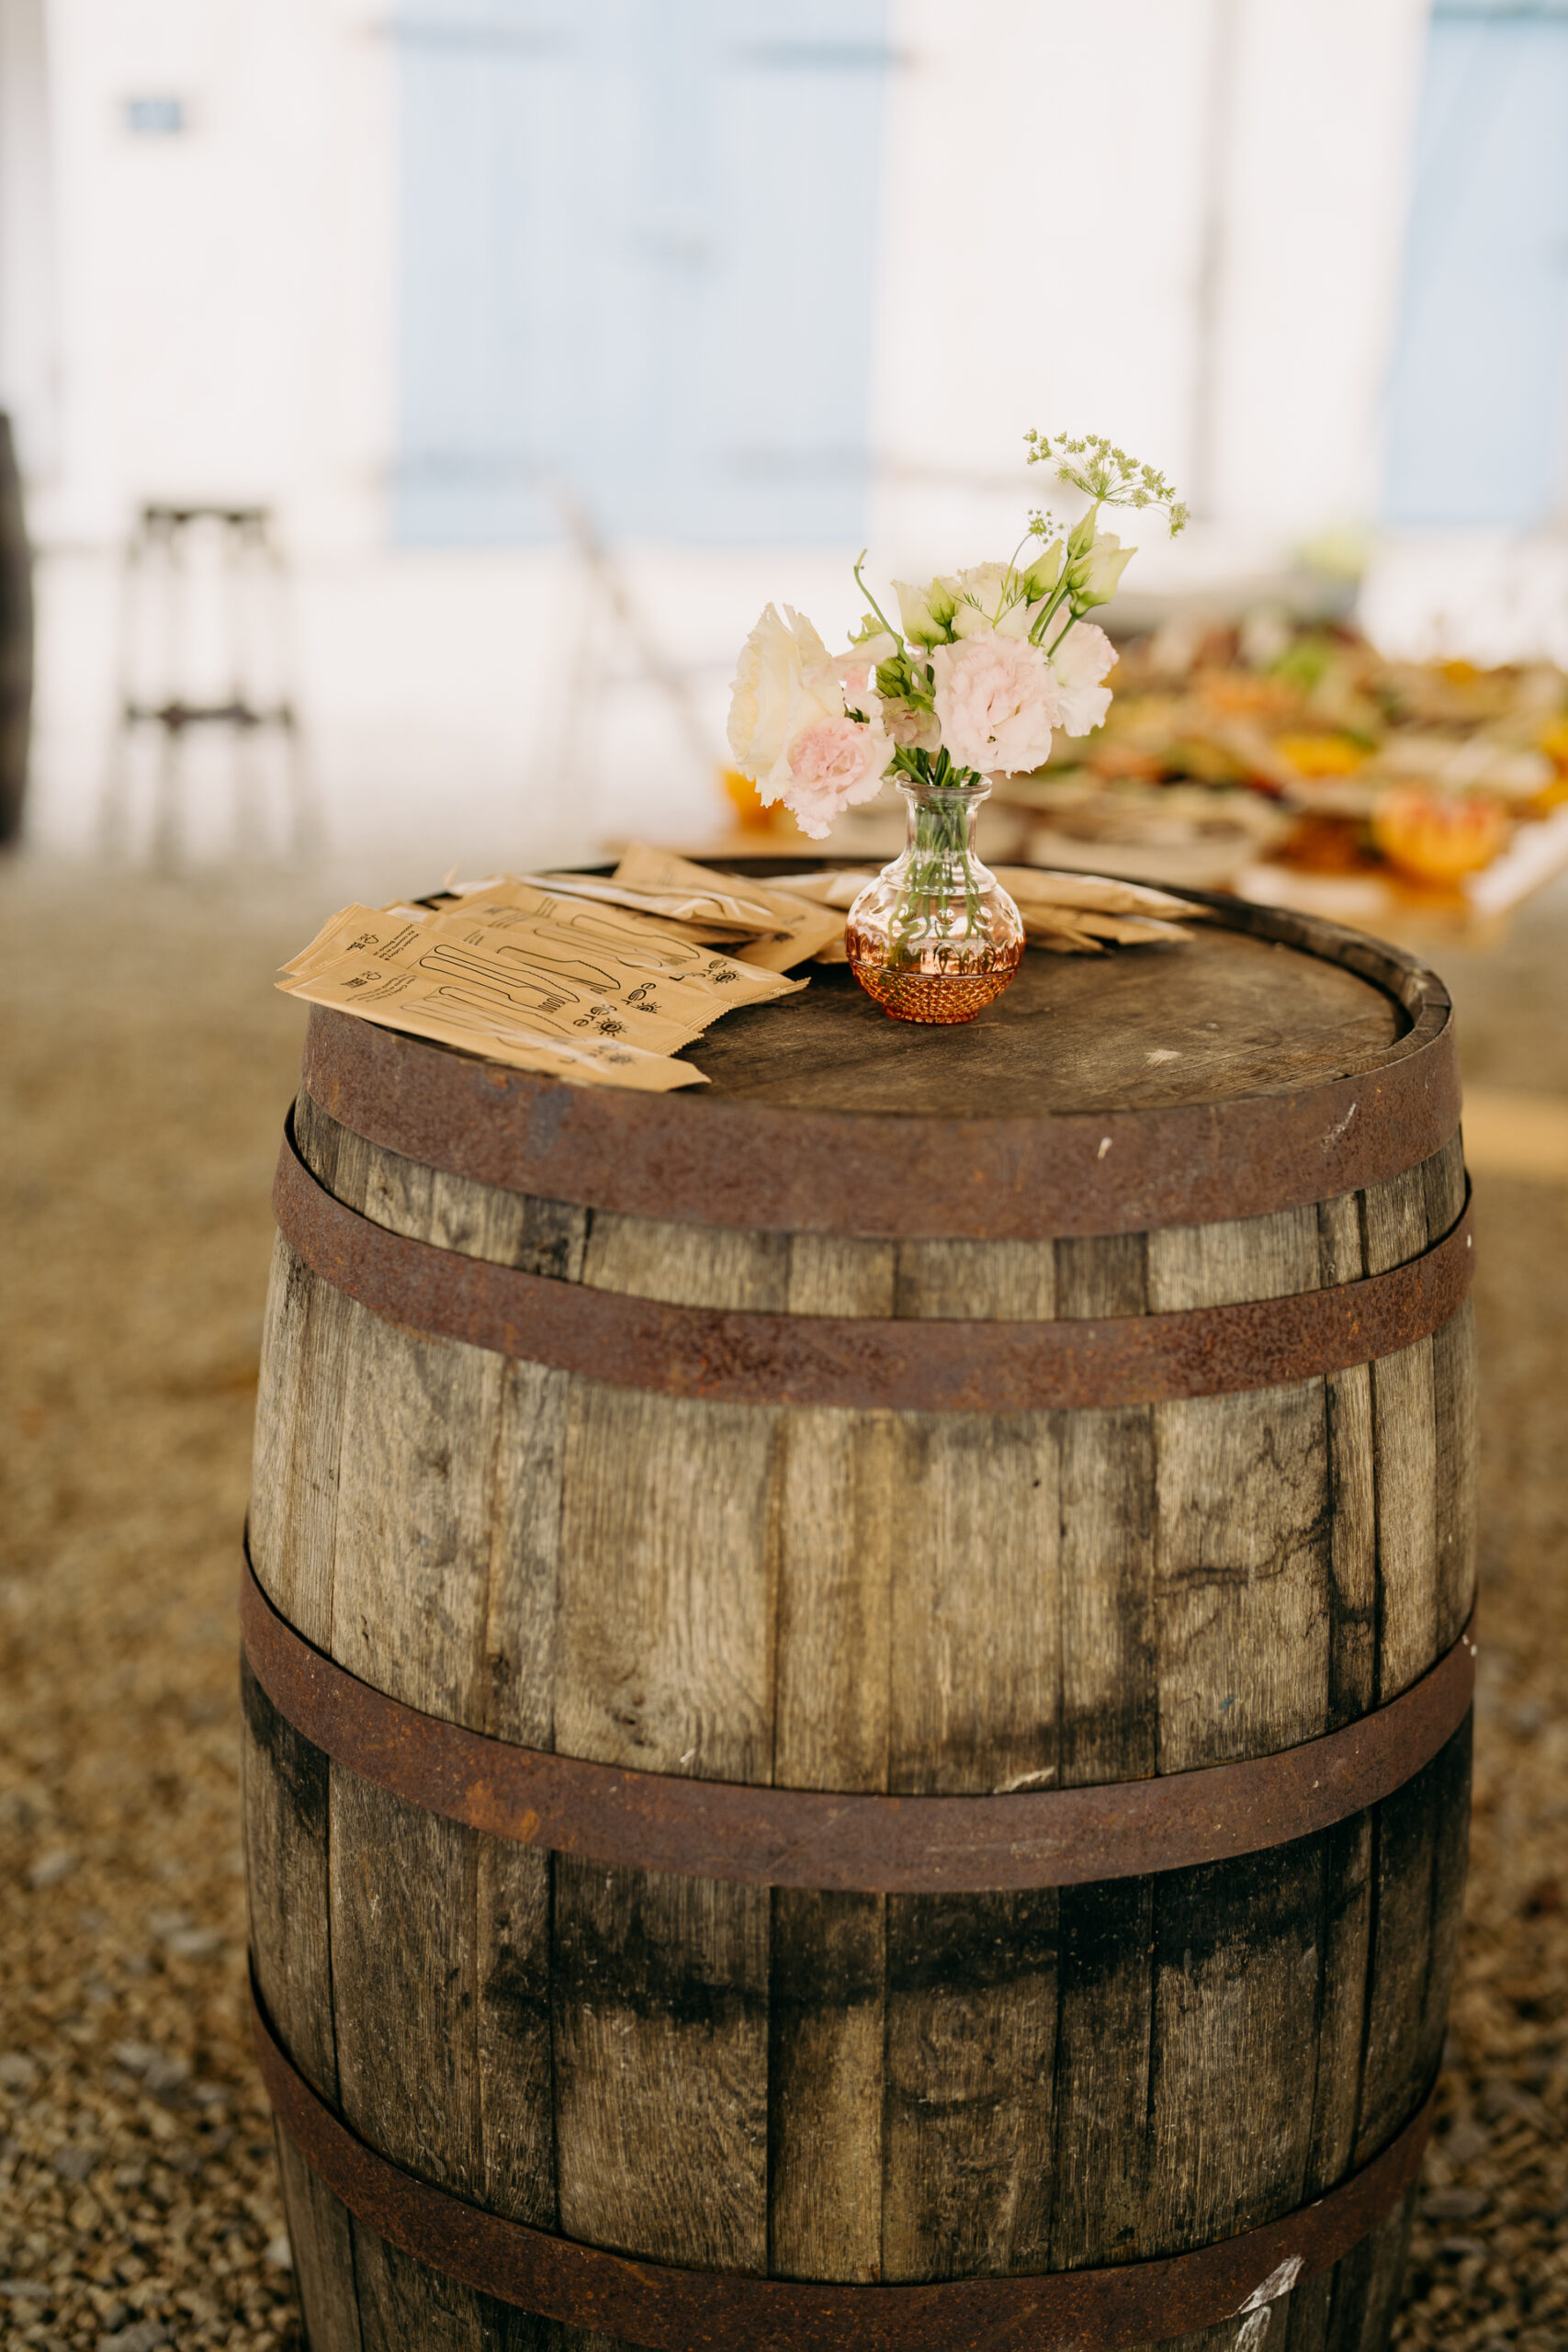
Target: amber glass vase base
pixel 939 999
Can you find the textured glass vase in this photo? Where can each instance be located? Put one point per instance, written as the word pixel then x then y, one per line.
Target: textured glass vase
pixel 935 937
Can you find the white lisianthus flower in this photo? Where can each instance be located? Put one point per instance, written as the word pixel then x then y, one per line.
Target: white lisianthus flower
pixel 926 613
pixel 1079 662
pixel 998 700
pixel 774 661
pixel 859 665
pixel 788 729
pixel 991 597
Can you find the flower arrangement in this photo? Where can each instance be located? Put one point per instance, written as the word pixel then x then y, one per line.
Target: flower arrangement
pixel 984 666
pixel 985 663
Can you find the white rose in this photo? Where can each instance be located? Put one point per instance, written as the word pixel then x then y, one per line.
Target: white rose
pixel 1080 661
pixel 773 661
pixel 998 700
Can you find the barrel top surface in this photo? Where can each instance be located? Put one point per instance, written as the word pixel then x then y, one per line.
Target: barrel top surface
pixel 1220 1016
pixel 1267 1061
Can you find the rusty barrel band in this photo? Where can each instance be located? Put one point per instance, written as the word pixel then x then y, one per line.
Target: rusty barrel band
pixel 722 1160
pixel 657 2305
pixel 851 1843
pixel 731 1356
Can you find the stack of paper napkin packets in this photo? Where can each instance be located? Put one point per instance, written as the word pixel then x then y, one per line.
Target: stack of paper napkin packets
pixel 602 980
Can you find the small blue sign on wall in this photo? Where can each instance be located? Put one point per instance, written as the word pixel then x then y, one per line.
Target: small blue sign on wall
pixel 638 239
pixel 155 118
pixel 1478 397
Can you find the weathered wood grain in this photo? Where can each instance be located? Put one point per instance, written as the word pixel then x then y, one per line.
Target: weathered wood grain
pixel 405 1981
pixel 284 1793
pixel 666 1660
pixel 1233 2044
pixel 665 1642
pixel 660 1984
pixel 1224 1015
pixel 826 1994
pixel 1109 1729
pixel 993 1282
pixel 1345 1936
pixel 285 1805
pixel 1419 1846
pixel 1109 1704
pixel 975 1613
pixel 1101 2159
pixel 321 2234
pixel 1352 1459
pixel 1404 1438
pixel 844 2087
pixel 827 2025
pixel 1455 1387
pixel 659 1988
pixel 688 1265
pixel 968 2130
pixel 1243 1517
pixel 514 2062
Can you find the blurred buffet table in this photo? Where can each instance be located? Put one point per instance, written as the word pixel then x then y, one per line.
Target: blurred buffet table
pixel 1287 762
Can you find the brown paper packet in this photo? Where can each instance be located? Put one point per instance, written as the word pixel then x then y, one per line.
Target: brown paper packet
pixel 548 990
pixel 646 946
pixel 351 925
pixel 1091 894
pixel 405 1000
pixel 430 979
pixel 834 887
pixel 736 920
pixel 592 966
pixel 799 927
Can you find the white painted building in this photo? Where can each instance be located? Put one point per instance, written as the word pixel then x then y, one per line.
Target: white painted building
pixel 750 280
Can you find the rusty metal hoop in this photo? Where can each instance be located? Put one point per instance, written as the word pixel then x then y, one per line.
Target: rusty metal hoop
pixel 728 1162
pixel 865 1362
pixel 671 2310
pixel 808 1838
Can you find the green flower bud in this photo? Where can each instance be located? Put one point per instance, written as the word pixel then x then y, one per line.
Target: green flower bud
pixel 1093 578
pixel 1043 572
pixel 1080 538
pixel 927 613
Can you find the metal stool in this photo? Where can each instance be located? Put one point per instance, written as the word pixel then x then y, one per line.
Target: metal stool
pixel 254 627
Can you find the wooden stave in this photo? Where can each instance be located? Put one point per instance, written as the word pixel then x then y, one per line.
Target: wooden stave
pixel 1385 1227
pixel 1388 1226
pixel 1399 1866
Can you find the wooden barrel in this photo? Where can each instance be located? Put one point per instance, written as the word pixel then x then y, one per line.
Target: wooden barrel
pixel 858 1681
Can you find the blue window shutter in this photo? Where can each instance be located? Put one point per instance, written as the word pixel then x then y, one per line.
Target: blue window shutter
pixel 638 251
pixel 1478 397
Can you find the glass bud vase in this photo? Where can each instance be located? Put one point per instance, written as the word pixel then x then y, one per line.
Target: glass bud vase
pixel 935 937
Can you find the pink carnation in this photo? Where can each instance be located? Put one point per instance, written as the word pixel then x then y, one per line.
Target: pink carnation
pixel 831 766
pixel 997 702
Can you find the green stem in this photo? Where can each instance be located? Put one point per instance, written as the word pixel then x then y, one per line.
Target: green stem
pixel 938 857
pixel 871 600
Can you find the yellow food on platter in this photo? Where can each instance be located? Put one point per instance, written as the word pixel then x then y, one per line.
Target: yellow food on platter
pixel 1439 837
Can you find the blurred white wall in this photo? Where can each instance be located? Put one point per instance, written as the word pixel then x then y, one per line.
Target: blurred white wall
pixel 1177 221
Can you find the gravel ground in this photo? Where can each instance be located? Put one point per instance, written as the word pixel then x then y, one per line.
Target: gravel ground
pixel 141 1095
